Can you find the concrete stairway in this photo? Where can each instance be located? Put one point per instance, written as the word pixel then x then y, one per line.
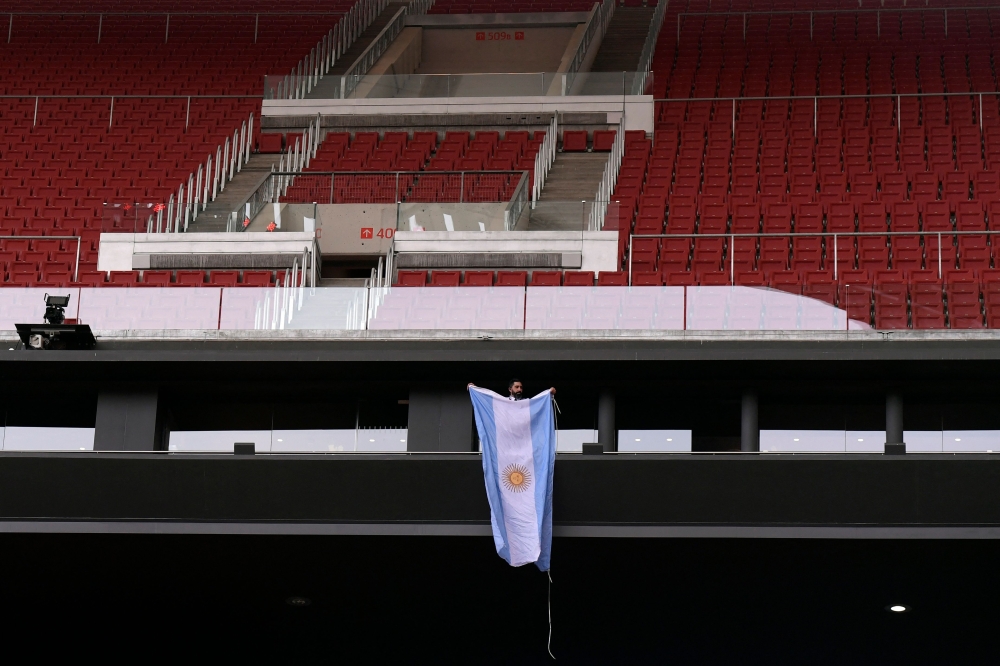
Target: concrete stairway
pixel 214 217
pixel 573 179
pixel 329 86
pixel 620 49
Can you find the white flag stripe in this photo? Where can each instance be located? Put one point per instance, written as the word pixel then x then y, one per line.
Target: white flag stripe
pixel 514 453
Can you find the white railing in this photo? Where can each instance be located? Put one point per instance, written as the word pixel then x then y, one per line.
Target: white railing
pixel 294 161
pixel 598 23
pixel 545 157
pixel 206 183
pixel 646 59
pixel 288 295
pixel 608 180
pixel 314 66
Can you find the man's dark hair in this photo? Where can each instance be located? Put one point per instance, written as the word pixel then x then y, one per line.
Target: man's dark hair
pixel 511 383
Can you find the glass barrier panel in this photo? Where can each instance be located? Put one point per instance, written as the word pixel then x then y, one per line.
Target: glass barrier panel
pixel 664 441
pixel 468 308
pixel 274 308
pixel 21 438
pixel 518 84
pixel 318 188
pixel 753 309
pixel 27 305
pixel 140 218
pixel 221 441
pixel 429 216
pixel 605 308
pixel 150 308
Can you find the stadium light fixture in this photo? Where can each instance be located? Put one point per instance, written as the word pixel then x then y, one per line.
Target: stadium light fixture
pixel 898 608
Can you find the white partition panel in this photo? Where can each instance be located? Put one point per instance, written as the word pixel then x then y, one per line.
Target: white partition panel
pixel 27 305
pixel 151 308
pixel 758 309
pixel 468 308
pixel 604 308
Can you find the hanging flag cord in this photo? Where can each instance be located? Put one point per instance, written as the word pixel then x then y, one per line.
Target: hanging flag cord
pixel 549 646
pixel 549 573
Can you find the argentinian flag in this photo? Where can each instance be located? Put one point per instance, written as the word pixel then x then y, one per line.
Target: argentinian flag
pixel 519 455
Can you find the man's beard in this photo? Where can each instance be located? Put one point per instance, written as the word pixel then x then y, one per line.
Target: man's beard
pixel 516 396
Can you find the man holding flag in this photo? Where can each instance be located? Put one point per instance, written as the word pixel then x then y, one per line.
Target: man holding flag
pixel 519 451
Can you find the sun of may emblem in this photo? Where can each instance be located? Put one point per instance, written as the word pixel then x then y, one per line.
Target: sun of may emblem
pixel 516 478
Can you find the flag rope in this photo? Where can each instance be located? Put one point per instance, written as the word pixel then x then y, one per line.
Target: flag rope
pixel 549 645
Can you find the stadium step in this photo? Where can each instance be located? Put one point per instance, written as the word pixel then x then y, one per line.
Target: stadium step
pixel 329 85
pixel 623 42
pixel 573 179
pixel 214 217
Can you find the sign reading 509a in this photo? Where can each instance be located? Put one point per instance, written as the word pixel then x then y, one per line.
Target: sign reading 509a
pixel 499 36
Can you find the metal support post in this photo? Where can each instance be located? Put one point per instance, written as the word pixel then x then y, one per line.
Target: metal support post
pixel 606 421
pixel 749 429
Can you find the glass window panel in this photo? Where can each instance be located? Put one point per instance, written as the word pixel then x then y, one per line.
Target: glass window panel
pixel 382 439
pixel 865 441
pixel 313 440
pixel 654 440
pixel 572 441
pixel 971 441
pixel 923 441
pixel 21 438
pixel 218 440
pixel 802 441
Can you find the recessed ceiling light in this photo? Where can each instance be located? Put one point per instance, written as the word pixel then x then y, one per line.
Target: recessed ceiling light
pixel 898 608
pixel 403 440
pixel 958 439
pixel 297 601
pixel 371 440
pixel 860 440
pixel 637 439
pixel 670 439
pixel 796 439
pixel 281 440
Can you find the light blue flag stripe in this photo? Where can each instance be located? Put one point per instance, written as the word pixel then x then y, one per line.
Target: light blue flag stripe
pixel 543 449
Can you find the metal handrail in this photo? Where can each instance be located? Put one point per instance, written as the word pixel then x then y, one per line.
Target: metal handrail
pixel 76 265
pixel 649 48
pixel 350 79
pixel 518 202
pixel 940 235
pixel 317 63
pixel 545 157
pixel 878 12
pixel 598 21
pixel 608 179
pixel 276 183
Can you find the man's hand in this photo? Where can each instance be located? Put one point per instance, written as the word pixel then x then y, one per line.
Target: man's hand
pixel 469 386
pixel 552 390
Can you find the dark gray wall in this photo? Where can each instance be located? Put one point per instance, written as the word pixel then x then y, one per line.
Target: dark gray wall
pixel 440 421
pixel 127 420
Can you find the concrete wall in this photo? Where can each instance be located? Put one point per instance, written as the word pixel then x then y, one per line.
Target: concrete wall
pixel 126 252
pixel 493 49
pixel 599 248
pixel 402 57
